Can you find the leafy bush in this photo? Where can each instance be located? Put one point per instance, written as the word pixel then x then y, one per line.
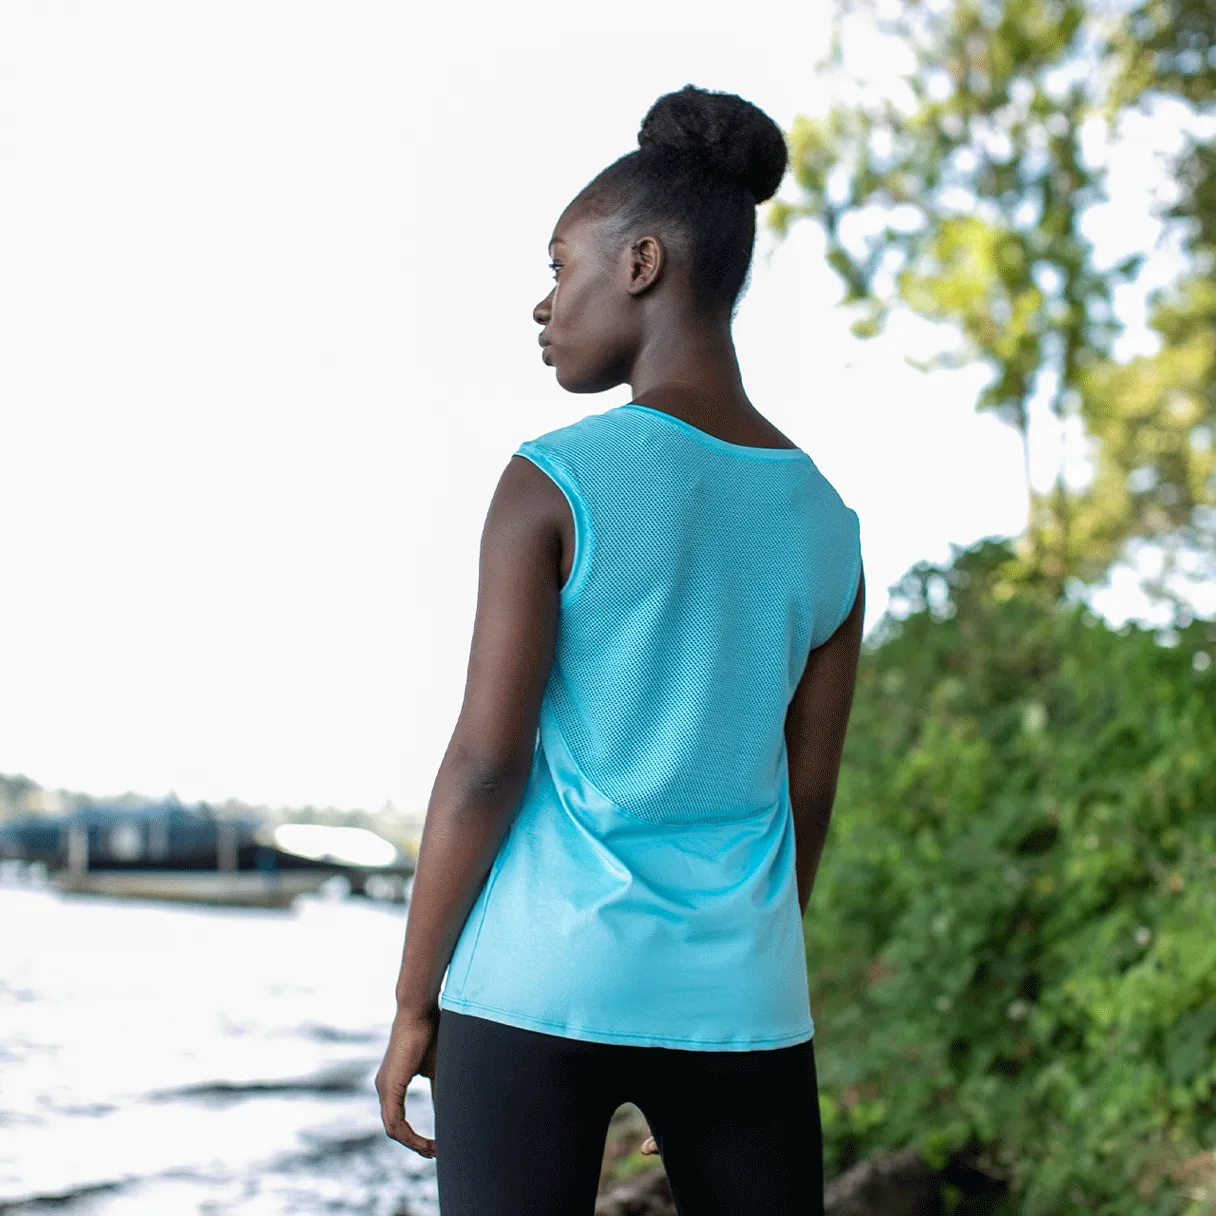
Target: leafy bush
pixel 1013 939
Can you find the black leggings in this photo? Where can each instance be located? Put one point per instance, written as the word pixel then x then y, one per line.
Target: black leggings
pixel 521 1118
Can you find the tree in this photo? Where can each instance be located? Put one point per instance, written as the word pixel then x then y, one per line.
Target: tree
pixel 958 193
pixel 1155 416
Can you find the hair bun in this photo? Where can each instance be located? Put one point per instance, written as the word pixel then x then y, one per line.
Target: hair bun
pixel 734 138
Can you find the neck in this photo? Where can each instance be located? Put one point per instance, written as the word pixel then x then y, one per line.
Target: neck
pixel 690 370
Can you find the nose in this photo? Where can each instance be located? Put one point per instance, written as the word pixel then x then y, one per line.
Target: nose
pixel 543 312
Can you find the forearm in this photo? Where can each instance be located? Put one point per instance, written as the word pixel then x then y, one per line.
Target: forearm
pixel 469 814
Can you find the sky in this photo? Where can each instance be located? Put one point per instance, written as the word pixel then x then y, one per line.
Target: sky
pixel 267 271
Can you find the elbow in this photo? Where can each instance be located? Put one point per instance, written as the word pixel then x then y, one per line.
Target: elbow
pixel 813 813
pixel 814 792
pixel 482 775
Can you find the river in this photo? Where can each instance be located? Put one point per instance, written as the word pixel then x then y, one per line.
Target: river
pixel 171 1060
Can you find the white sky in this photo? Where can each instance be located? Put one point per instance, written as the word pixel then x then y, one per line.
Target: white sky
pixel 266 278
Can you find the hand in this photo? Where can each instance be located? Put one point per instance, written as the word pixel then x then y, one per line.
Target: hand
pixel 410 1053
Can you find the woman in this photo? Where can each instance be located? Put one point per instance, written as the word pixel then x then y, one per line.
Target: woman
pixel 625 828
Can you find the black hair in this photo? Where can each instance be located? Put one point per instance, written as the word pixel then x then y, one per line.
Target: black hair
pixel 703 162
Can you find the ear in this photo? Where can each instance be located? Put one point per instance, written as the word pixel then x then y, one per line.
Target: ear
pixel 647 258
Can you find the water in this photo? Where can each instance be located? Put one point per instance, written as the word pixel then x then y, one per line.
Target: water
pixel 173 1060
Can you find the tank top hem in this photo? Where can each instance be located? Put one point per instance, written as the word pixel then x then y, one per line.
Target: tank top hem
pixel 624 1038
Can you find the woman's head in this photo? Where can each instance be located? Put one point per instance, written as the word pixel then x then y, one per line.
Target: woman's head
pixel 668 227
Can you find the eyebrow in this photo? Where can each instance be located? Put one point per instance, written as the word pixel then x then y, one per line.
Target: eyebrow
pixel 557 240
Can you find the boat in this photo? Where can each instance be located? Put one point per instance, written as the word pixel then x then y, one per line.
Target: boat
pixel 184 854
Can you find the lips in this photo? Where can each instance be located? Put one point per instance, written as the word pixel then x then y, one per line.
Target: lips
pixel 544 351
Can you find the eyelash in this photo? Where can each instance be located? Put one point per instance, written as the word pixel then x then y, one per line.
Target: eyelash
pixel 555 267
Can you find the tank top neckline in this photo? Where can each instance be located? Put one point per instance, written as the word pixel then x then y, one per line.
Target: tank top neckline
pixel 712 441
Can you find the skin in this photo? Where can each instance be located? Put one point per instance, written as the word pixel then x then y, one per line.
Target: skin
pixel 621 311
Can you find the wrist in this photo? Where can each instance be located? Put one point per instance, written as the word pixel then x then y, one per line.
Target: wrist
pixel 411 1009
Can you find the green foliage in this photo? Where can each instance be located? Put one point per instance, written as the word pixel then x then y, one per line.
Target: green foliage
pixel 18 796
pixel 958 192
pixel 1155 419
pixel 1013 938
pixel 1166 46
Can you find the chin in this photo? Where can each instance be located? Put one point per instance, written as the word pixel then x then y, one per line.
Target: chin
pixel 570 383
pixel 584 383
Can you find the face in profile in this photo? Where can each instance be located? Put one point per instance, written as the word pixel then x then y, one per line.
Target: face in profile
pixel 590 327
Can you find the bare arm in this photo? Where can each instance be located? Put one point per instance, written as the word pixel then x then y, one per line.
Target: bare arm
pixel 482 776
pixel 815 726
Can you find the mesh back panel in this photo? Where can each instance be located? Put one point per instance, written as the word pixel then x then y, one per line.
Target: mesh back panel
pixel 704 574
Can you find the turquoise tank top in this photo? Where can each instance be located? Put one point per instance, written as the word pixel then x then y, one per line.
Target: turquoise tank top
pixel 645 892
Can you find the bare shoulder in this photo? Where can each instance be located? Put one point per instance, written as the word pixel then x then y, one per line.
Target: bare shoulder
pixel 525 486
pixel 529 509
